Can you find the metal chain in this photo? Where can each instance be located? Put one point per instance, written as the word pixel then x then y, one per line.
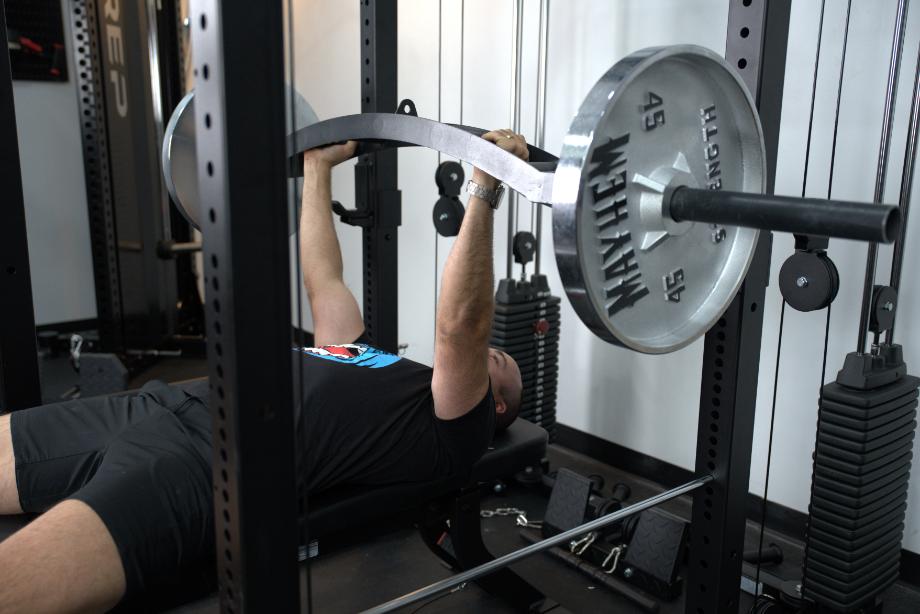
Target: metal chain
pixel 520 516
pixel 501 511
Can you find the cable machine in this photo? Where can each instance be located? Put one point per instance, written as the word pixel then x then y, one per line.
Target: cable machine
pixel 526 324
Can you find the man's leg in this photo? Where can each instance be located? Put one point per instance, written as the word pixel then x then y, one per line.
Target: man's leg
pixel 137 482
pixel 9 494
pixel 336 316
pixel 64 561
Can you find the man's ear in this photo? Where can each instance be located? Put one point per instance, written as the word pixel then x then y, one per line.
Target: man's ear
pixel 500 406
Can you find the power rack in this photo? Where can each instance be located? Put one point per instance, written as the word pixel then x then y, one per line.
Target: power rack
pixel 255 558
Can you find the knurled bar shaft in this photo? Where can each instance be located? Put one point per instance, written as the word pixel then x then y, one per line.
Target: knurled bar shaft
pixel 813 216
pixel 564 537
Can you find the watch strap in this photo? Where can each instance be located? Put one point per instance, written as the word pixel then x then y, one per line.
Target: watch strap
pixel 493 197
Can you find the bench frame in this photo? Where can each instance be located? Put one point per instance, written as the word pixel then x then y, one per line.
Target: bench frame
pixel 457 517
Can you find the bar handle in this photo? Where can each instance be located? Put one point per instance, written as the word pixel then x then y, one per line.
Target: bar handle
pixel 813 216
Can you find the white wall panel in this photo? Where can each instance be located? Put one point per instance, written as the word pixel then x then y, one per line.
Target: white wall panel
pixel 57 222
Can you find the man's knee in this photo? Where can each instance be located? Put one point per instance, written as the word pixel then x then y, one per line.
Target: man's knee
pixel 71 546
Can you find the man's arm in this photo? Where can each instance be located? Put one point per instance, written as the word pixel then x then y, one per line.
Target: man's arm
pixel 465 306
pixel 336 316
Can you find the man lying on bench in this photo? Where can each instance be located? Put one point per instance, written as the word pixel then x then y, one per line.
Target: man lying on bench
pixel 126 479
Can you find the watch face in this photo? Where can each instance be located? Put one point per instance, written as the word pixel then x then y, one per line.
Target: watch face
pixel 497 196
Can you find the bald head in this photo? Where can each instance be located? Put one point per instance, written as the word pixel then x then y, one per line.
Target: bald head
pixel 506 388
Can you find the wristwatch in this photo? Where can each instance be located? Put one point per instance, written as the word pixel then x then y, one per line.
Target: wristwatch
pixel 493 197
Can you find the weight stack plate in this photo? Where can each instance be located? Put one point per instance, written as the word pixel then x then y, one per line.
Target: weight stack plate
pixel 526 326
pixel 863 456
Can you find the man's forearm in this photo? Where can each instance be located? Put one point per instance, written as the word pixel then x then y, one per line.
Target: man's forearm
pixel 465 305
pixel 320 254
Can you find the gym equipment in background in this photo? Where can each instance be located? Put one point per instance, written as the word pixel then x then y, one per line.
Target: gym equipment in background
pixel 867 418
pixel 36 40
pixel 526 326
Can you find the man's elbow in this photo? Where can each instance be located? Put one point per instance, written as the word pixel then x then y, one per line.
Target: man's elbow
pixel 468 330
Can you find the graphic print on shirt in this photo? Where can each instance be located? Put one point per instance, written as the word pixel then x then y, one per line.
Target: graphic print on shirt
pixel 358 354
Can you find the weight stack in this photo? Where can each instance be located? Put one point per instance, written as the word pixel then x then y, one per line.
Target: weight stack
pixel 526 326
pixel 859 493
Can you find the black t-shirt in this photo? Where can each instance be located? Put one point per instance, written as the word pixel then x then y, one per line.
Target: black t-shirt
pixel 369 419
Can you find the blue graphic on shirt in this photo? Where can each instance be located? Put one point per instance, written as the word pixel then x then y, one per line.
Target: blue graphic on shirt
pixel 359 354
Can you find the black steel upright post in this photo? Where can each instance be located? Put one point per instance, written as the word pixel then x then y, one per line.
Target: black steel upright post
pixel 19 381
pixel 122 77
pixel 189 313
pixel 376 175
pixel 241 167
pixel 90 80
pixel 758 32
pixel 130 83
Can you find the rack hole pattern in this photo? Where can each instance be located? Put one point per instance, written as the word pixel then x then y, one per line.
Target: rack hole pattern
pixel 96 164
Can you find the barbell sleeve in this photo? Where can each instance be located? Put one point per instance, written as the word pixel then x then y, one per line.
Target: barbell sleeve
pixel 812 216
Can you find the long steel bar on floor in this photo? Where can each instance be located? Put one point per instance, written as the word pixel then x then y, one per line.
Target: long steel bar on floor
pixel 501 562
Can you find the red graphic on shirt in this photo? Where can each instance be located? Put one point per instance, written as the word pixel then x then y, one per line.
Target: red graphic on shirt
pixel 353 354
pixel 342 351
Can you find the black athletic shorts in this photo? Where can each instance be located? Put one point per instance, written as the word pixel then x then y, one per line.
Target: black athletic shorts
pixel 141 461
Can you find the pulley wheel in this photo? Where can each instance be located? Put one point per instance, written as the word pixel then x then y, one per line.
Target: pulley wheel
pixel 808 281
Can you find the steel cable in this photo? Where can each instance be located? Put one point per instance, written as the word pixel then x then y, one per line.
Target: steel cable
pixel 891 91
pixel 782 315
pixel 434 319
pixel 766 486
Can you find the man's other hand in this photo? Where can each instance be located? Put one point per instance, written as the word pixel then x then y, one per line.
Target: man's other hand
pixel 330 155
pixel 510 142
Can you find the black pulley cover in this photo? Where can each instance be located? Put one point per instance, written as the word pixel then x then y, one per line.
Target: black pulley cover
pixel 808 281
pixel 448 216
pixel 884 302
pixel 449 178
pixel 524 246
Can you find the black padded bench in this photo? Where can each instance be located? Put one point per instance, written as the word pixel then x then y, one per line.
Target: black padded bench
pixel 523 444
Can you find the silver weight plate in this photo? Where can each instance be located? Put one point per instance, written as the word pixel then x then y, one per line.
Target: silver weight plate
pixel 658 119
pixel 177 155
